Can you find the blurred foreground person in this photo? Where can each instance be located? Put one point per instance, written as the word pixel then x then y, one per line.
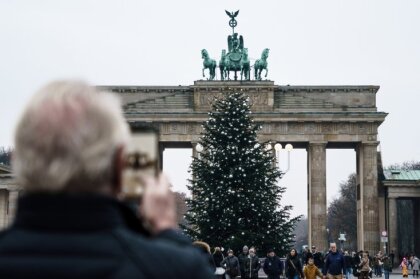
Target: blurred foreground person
pixel 204 248
pixel 69 159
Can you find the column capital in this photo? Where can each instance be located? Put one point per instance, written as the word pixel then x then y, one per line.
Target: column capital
pixel 370 143
pixel 318 143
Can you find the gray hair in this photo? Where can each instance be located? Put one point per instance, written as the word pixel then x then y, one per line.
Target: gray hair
pixel 67 137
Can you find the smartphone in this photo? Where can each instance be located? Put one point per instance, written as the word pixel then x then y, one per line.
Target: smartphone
pixel 141 161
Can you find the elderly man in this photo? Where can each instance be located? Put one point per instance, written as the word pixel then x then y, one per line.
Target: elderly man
pixel 334 267
pixel 68 158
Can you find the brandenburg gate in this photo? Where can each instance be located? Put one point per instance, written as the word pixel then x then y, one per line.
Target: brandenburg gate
pixel 310 117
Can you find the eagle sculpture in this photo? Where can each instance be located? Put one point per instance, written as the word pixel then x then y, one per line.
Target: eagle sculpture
pixel 232 15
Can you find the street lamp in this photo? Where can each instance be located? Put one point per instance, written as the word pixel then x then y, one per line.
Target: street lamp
pixel 278 147
pixel 328 238
pixel 342 238
pixel 199 147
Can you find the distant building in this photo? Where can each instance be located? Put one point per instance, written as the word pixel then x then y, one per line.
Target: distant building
pixel 9 192
pixel 401 191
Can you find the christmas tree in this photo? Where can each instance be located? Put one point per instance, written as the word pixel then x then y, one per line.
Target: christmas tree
pixel 235 197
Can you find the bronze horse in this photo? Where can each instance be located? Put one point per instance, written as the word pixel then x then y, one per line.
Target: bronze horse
pixel 261 64
pixel 208 63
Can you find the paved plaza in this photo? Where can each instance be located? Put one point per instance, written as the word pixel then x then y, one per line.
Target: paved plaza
pixel 395 275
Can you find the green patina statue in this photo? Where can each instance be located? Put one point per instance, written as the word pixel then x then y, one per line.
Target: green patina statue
pixel 261 64
pixel 208 63
pixel 236 58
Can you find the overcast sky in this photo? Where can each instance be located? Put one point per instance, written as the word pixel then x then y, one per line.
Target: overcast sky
pixel 356 42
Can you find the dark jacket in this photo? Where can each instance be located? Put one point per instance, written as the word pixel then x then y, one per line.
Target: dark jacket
pixel 90 236
pixel 347 261
pixel 242 259
pixel 273 267
pixel 217 258
pixel 318 259
pixel 387 264
pixel 334 264
pixel 293 267
pixel 231 264
pixel 356 262
pixel 252 265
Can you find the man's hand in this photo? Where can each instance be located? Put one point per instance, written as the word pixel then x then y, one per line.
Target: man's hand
pixel 158 205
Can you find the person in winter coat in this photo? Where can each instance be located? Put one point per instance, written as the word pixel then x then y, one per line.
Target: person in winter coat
pixel 357 257
pixel 347 264
pixel 293 266
pixel 387 266
pixel 242 259
pixel 318 258
pixel 364 266
pixel 69 160
pixel 311 271
pixel 252 265
pixel 415 264
pixel 218 258
pixel 378 264
pixel 404 267
pixel 334 264
pixel 231 264
pixel 273 266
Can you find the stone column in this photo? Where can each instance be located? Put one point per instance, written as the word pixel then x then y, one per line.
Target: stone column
pixel 317 196
pixel 3 208
pixel 392 227
pixel 368 232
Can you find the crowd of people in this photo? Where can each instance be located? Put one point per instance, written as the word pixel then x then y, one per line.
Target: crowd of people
pixel 310 264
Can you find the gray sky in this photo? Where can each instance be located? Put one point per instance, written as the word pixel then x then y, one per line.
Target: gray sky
pixel 137 42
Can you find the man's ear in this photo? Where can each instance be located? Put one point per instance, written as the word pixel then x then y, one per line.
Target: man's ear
pixel 117 170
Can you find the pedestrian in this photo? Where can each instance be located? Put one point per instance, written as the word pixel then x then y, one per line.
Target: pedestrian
pixel 69 159
pixel 404 267
pixel 334 264
pixel 387 266
pixel 392 255
pixel 355 262
pixel 273 266
pixel 231 264
pixel 364 266
pixel 318 258
pixel 370 264
pixel 305 255
pixel 218 258
pixel 311 271
pixel 415 264
pixel 378 264
pixel 252 265
pixel 347 264
pixel 293 266
pixel 242 260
